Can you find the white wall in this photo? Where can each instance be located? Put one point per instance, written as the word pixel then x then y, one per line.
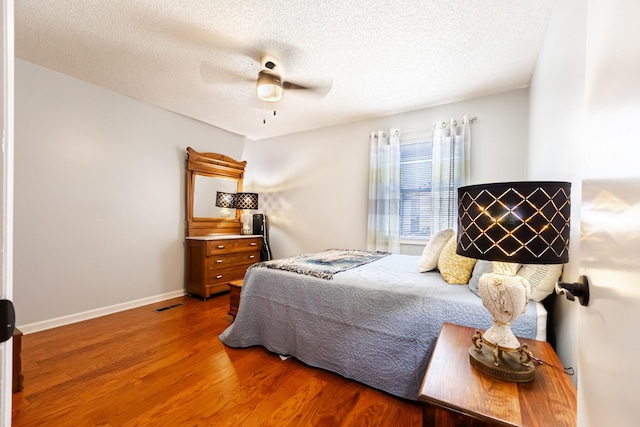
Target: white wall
pixel 314 185
pixel 586 85
pixel 557 119
pixel 99 195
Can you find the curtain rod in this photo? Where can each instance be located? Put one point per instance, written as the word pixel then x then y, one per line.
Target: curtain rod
pixel 444 125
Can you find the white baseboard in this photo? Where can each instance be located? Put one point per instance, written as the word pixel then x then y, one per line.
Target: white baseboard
pixel 92 314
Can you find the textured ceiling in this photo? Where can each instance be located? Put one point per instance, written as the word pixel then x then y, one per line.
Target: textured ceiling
pixel 366 58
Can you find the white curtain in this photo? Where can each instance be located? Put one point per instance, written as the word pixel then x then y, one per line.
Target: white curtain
pixel 384 192
pixel 450 170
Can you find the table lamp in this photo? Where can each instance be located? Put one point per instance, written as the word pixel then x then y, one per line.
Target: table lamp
pixel 246 202
pixel 510 223
pixel 225 201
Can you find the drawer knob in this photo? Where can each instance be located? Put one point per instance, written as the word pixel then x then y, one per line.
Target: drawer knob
pixel 218 261
pixel 252 244
pixel 220 246
pixel 219 276
pixel 252 256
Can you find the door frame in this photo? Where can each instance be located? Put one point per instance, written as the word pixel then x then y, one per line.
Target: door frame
pixel 6 232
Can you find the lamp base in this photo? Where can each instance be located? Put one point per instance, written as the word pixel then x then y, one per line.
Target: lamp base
pixel 513 365
pixel 247 222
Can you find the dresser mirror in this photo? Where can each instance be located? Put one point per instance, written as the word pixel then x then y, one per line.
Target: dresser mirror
pixel 205 189
pixel 208 173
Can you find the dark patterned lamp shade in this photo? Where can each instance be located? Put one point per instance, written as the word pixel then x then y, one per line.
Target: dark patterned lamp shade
pixel 518 222
pixel 247 201
pixel 225 200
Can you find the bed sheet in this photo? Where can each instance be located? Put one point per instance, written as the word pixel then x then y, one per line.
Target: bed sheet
pixel 376 324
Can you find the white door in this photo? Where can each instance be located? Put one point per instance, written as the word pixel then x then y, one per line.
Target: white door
pixel 608 342
pixel 6 176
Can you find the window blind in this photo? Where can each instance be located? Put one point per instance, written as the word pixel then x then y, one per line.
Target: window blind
pixel 415 188
pixel 417 191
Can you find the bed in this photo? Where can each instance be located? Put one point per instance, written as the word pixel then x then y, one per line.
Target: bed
pixel 375 323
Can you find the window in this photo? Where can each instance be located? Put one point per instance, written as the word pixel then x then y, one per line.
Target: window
pixel 413 183
pixel 415 189
pixel 420 198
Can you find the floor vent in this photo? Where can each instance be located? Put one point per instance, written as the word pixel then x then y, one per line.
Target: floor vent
pixel 168 307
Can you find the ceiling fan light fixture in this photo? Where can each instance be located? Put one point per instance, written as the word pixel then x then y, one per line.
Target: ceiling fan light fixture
pixel 269 86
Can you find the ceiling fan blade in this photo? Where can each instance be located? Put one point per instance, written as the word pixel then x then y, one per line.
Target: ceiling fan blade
pixel 320 89
pixel 211 74
pixel 289 85
pixel 195 35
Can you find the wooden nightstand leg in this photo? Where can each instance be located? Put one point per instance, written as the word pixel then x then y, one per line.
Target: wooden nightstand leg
pixel 17 360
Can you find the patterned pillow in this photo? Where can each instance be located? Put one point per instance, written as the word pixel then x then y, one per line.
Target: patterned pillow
pixel 454 268
pixel 432 251
pixel 542 278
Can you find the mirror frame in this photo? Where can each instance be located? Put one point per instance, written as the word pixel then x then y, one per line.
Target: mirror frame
pixel 212 165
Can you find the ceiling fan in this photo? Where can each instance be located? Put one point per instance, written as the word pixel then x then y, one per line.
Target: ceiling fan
pixel 270 86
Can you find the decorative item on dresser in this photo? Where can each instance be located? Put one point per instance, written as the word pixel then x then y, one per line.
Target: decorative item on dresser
pixel 247 202
pixel 216 251
pixel 214 261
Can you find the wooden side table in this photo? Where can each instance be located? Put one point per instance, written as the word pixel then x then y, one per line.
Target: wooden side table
pixel 235 288
pixel 456 394
pixel 17 361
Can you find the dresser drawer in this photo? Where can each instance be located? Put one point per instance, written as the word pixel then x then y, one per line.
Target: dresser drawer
pixel 226 275
pixel 220 262
pixel 226 246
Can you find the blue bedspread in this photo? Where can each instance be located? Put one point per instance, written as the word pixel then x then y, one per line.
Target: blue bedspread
pixel 376 324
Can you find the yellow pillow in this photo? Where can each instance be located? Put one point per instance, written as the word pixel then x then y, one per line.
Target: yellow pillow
pixel 454 268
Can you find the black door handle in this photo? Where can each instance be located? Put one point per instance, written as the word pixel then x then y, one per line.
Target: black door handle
pixel 7 319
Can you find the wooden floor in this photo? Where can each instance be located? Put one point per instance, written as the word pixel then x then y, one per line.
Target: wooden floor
pixel 168 368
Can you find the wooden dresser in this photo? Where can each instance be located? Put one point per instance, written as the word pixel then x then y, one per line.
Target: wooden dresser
pixel 215 260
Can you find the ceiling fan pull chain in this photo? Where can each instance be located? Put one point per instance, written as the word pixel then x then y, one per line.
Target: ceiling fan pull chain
pixel 264 113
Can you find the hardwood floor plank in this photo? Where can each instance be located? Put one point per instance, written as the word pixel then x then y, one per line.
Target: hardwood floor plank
pixel 335 404
pixel 142 367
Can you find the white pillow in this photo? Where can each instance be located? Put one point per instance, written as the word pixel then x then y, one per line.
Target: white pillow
pixel 542 278
pixel 431 252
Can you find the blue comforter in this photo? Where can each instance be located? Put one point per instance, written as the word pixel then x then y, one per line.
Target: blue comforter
pixel 376 324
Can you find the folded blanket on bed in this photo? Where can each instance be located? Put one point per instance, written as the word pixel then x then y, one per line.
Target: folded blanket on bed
pixel 323 264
